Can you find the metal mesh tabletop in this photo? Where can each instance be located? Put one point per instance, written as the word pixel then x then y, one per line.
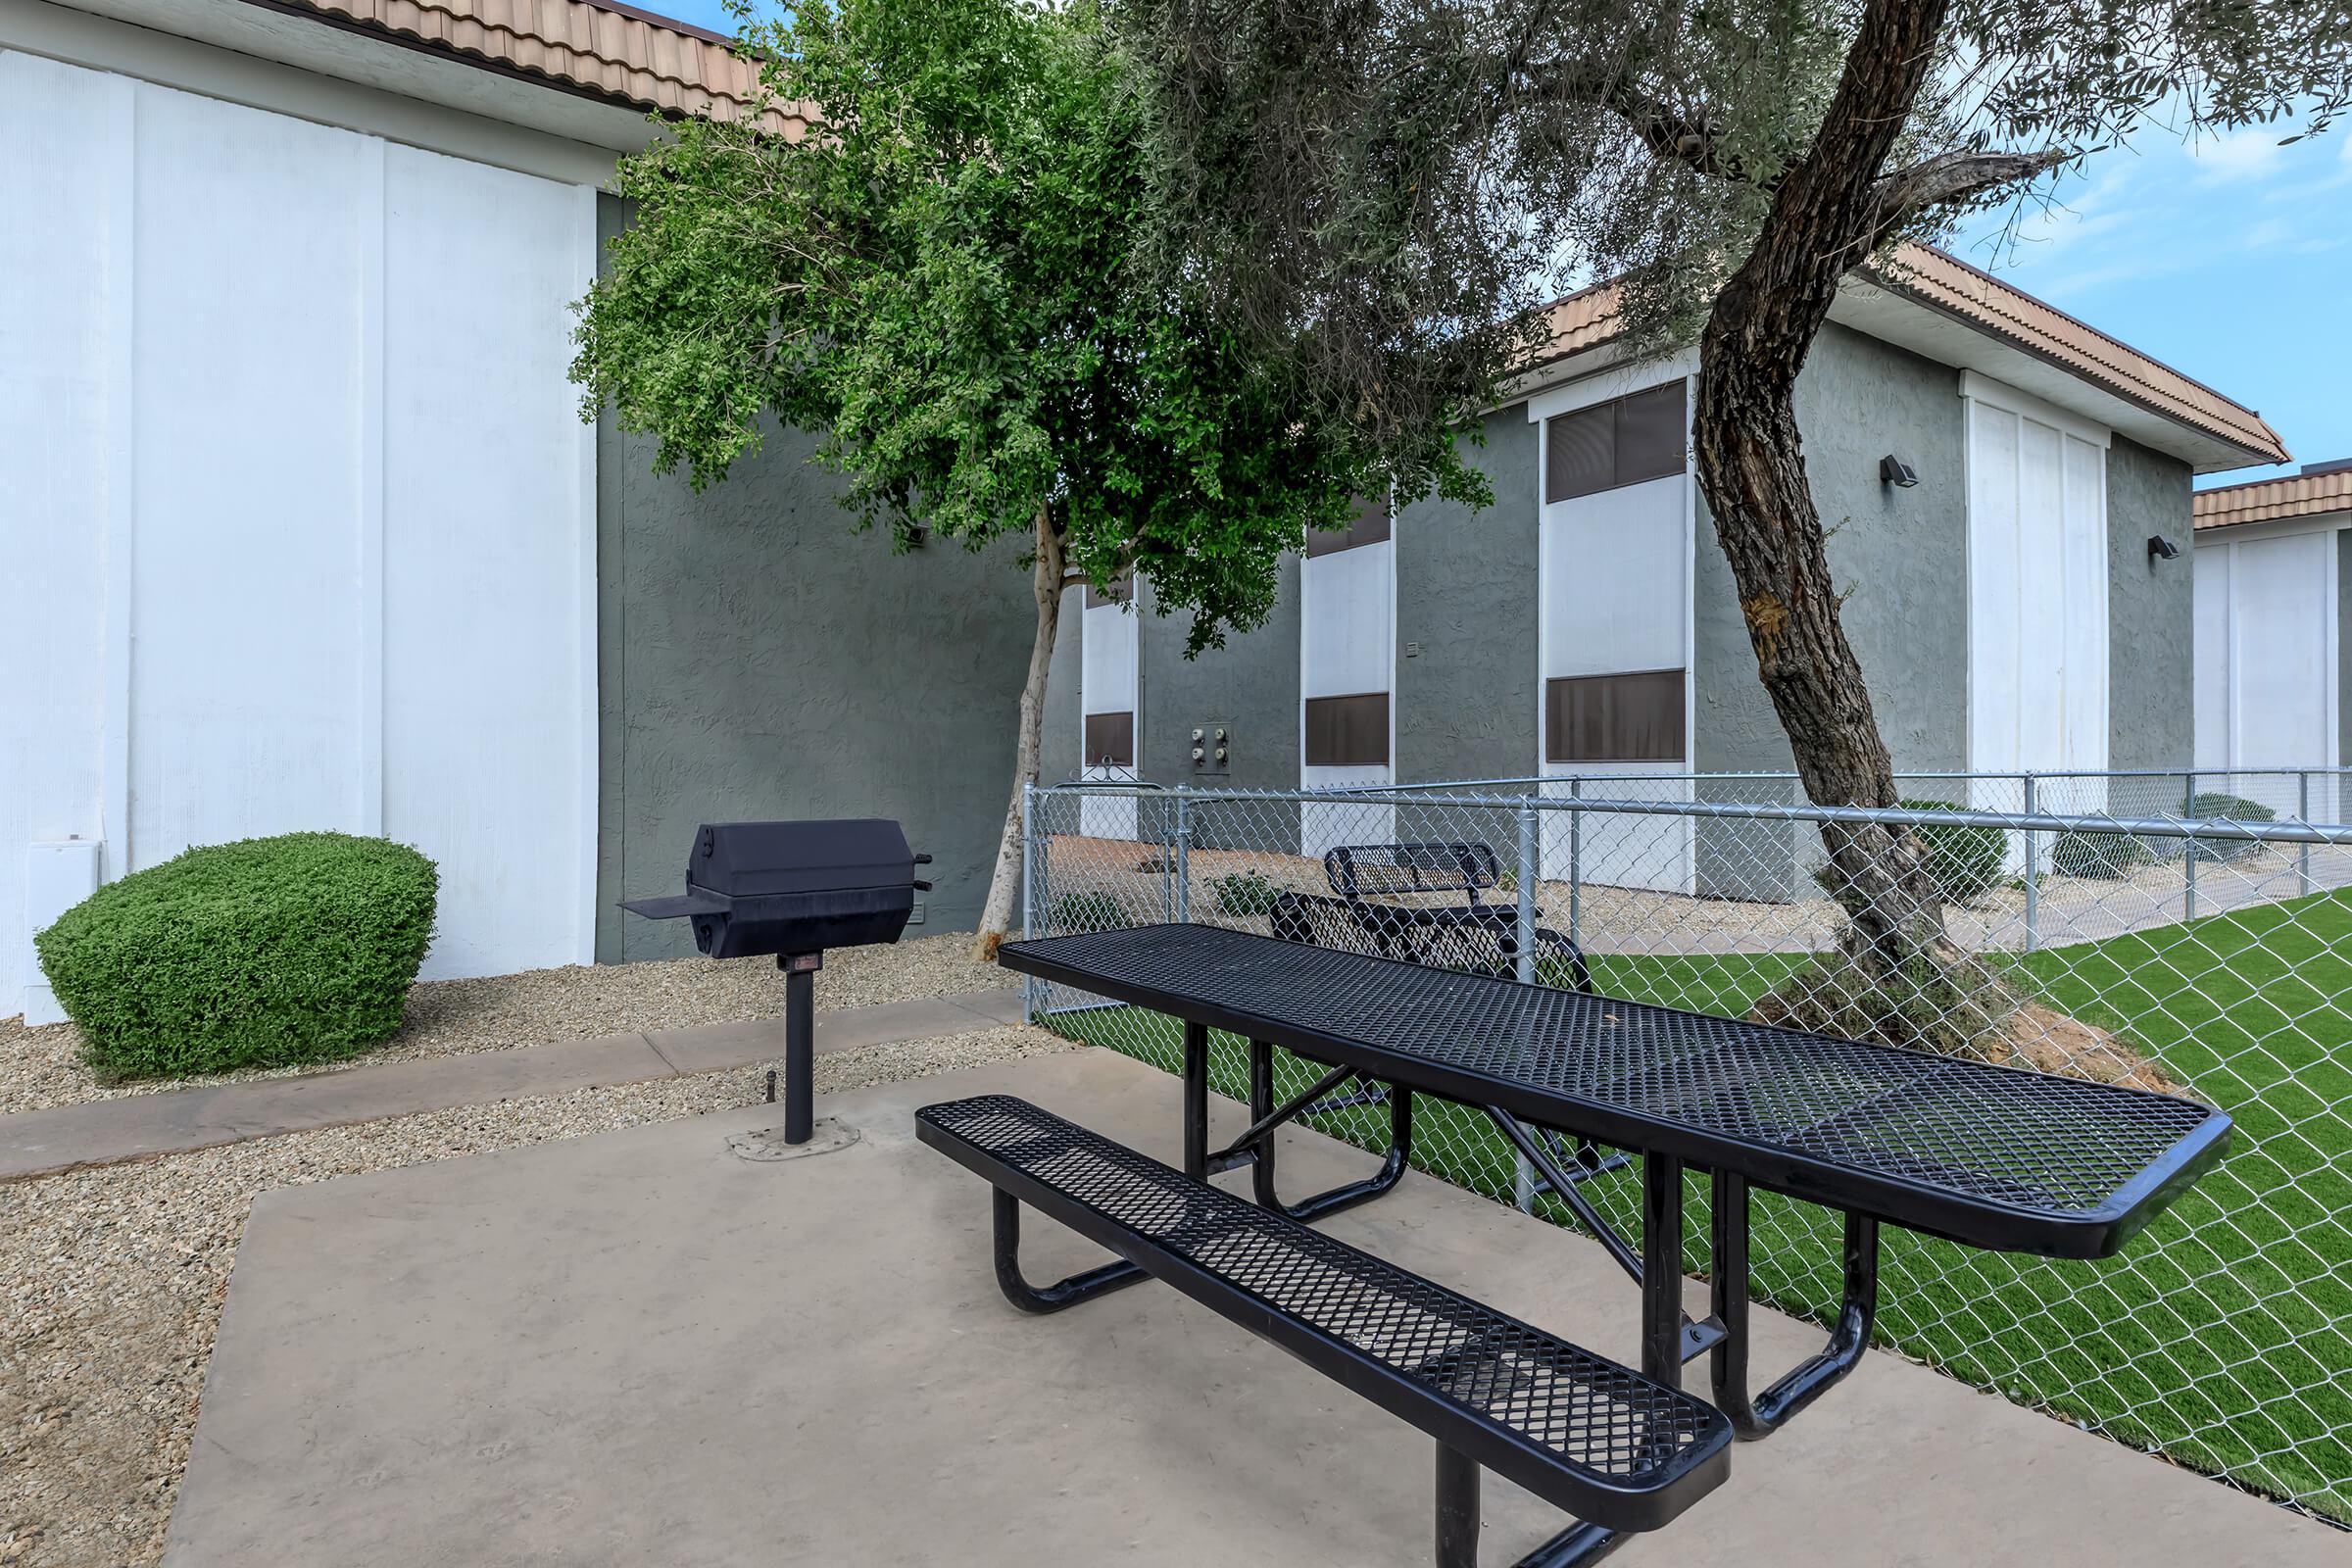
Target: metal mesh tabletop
pixel 1594 1426
pixel 1995 1157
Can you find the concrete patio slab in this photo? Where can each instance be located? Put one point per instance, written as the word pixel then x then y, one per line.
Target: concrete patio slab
pixel 635 1348
pixel 100 1132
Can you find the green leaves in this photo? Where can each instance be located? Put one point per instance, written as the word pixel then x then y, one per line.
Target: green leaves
pixel 260 953
pixel 947 281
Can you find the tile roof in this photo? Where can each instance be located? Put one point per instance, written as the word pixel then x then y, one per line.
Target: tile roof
pixel 1945 283
pixel 608 50
pixel 2300 495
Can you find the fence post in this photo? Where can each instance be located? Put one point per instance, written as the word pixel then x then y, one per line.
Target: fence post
pixel 1523 1178
pixel 1576 865
pixel 2188 850
pixel 2032 870
pixel 2303 815
pixel 1028 891
pixel 1181 906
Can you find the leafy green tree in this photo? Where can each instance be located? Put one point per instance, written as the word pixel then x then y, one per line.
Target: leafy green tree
pixel 944 279
pixel 1358 170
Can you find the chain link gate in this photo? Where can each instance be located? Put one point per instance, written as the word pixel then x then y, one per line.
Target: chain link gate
pixel 2184 932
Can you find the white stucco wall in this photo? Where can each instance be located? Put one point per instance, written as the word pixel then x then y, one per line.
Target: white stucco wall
pixel 297 522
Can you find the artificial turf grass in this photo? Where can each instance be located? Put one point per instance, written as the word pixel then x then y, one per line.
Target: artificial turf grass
pixel 2222 1335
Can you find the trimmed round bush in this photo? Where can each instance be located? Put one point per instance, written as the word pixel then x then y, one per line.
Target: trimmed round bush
pixel 2211 806
pixel 1962 861
pixel 267 952
pixel 2107 855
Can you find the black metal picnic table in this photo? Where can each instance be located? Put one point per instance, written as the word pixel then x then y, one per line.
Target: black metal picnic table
pixel 1995 1157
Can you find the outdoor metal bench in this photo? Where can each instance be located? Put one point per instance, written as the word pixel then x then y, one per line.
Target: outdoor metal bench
pixel 1621 1451
pixel 1994 1157
pixel 1363 913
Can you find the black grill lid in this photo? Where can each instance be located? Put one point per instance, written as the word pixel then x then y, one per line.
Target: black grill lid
pixel 750 860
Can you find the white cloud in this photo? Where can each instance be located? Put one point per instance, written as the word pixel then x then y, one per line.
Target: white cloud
pixel 2251 154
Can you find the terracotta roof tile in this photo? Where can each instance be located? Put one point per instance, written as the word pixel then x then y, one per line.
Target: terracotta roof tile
pixel 614 52
pixel 2301 495
pixel 1589 319
pixel 1951 284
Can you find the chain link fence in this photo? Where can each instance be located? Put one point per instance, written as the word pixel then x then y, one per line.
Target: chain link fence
pixel 2188 933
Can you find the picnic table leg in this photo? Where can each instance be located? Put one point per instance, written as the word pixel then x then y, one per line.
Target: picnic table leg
pixel 1459 1520
pixel 1264 1114
pixel 1662 1269
pixel 1195 1101
pixel 1044 1299
pixel 1850 1337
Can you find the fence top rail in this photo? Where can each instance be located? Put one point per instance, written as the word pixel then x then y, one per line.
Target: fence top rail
pixel 1938 775
pixel 2166 827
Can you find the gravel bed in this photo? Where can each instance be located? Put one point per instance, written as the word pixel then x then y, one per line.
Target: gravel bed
pixel 111 1283
pixel 41 1067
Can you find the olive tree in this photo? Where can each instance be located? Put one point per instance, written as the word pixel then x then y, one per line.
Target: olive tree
pixel 1357 168
pixel 945 280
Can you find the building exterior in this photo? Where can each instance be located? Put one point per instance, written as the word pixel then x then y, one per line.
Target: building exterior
pixel 2271 686
pixel 2005 605
pixel 302 529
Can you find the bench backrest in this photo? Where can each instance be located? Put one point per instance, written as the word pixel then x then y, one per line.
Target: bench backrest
pixel 1359 870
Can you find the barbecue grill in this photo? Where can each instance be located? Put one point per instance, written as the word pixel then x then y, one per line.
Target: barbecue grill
pixel 795 889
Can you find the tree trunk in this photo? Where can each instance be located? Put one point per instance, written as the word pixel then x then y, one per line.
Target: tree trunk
pixel 1751 469
pixel 1045 582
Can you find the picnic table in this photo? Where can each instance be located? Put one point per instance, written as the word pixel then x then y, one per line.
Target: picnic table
pixel 1994 1157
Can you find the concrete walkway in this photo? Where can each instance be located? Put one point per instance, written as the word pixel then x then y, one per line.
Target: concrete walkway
pixel 102 1132
pixel 636 1348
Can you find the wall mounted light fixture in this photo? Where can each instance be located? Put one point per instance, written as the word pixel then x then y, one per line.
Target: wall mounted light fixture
pixel 1895 471
pixel 2161 548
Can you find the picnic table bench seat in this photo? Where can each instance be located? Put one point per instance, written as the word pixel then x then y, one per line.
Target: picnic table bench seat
pixel 1619 1450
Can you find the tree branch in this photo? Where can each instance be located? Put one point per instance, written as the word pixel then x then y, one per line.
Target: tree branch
pixel 1950 177
pixel 1668 133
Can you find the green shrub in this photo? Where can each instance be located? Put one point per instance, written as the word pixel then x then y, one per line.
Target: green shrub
pixel 1074 913
pixel 1243 893
pixel 2107 855
pixel 1962 861
pixel 266 953
pixel 2212 805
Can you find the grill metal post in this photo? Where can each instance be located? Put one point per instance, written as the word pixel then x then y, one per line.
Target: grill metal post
pixel 800 1042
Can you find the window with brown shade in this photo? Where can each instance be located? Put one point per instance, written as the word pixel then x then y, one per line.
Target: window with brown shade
pixel 1120 591
pixel 1614 719
pixel 1347 731
pixel 1370 527
pixel 1609 444
pixel 1110 740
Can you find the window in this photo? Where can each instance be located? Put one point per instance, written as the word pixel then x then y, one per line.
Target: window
pixel 1614 719
pixel 1611 444
pixel 1370 527
pixel 1109 740
pixel 1347 731
pixel 1120 591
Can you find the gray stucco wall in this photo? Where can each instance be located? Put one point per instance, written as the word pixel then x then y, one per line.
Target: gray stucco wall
pixel 1900 556
pixel 2151 656
pixel 1465 594
pixel 757 659
pixel 1251 683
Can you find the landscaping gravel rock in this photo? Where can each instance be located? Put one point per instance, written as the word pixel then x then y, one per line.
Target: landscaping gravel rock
pixel 112 1279
pixel 41 1067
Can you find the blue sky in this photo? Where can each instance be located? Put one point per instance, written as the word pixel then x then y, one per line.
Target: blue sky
pixel 2229 258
